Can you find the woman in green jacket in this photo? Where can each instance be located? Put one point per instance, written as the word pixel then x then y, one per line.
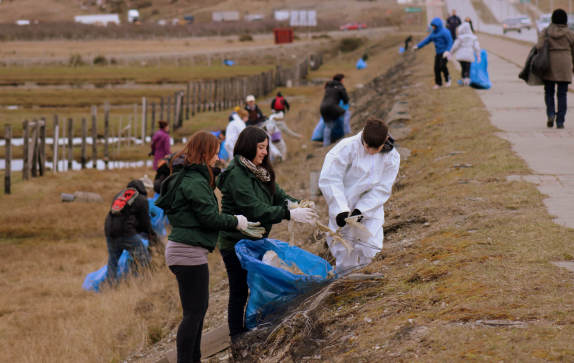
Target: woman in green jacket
pixel 248 187
pixel 192 208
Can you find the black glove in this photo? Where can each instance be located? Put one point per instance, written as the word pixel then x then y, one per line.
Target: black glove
pixel 341 218
pixel 357 212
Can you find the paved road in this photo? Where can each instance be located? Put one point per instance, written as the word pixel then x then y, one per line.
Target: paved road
pixel 519 111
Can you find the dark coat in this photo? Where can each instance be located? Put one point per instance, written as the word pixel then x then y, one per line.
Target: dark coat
pixel 282 101
pixel 243 193
pixel 561 50
pixel 255 116
pixel 194 211
pixel 334 93
pixel 452 23
pixel 133 219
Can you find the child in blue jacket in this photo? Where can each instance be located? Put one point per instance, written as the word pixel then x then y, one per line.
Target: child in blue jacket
pixel 442 43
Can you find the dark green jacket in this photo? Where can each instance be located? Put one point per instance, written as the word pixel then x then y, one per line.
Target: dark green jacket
pixel 244 194
pixel 194 212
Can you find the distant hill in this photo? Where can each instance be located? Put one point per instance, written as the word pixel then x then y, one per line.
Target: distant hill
pixel 338 11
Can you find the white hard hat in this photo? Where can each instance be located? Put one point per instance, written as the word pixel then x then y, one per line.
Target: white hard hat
pixel 250 98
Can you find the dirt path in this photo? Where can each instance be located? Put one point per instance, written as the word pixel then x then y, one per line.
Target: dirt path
pixel 519 111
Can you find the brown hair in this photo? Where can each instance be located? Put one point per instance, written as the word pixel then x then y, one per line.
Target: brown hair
pixel 162 124
pixel 199 150
pixel 375 133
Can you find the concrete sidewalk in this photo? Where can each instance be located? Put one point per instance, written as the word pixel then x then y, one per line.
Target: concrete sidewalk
pixel 519 111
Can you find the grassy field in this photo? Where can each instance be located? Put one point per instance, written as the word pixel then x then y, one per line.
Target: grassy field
pixel 104 75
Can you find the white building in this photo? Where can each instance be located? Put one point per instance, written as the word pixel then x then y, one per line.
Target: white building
pixel 225 16
pixel 98 19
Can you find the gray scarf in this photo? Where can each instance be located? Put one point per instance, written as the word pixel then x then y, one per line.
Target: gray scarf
pixel 260 172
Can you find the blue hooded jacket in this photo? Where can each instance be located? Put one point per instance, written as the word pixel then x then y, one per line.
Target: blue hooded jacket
pixel 440 36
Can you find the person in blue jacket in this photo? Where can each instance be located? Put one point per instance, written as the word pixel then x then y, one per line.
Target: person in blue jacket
pixel 442 43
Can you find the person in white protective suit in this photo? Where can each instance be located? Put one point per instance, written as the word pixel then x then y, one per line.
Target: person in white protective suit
pixel 233 130
pixel 356 179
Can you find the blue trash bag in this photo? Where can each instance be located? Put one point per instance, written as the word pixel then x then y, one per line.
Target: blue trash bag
pixel 228 62
pixel 479 72
pixel 401 50
pixel 361 64
pixel 271 288
pixel 94 279
pixel 157 216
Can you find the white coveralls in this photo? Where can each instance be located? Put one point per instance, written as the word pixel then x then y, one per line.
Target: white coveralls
pixel 232 132
pixel 353 179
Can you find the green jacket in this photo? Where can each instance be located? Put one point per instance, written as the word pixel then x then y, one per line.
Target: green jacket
pixel 244 194
pixel 194 212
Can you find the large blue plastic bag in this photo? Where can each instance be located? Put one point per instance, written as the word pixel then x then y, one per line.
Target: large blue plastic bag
pixel 271 288
pixel 479 72
pixel 157 216
pixel 94 279
pixel 361 64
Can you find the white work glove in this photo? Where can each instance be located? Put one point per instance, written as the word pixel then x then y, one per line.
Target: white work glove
pixel 241 222
pixel 250 229
pixel 304 215
pixel 446 55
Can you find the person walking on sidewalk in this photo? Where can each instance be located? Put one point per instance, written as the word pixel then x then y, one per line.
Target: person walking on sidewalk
pixel 559 74
pixel 465 48
pixel 442 42
pixel 453 22
pixel 187 197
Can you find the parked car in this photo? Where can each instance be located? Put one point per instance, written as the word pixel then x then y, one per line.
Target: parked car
pixel 543 21
pixel 511 24
pixel 525 22
pixel 353 26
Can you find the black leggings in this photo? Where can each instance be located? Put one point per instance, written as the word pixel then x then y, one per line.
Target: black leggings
pixel 238 292
pixel 440 67
pixel 465 69
pixel 193 282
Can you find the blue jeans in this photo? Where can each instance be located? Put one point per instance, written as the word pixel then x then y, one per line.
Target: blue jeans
pixel 562 89
pixel 133 245
pixel 327 132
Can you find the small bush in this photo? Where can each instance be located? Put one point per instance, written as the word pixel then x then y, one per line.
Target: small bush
pixel 321 36
pixel 76 60
pixel 245 38
pixel 142 4
pixel 100 60
pixel 155 12
pixel 350 44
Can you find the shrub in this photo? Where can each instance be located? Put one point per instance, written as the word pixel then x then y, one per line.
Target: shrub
pixel 245 38
pixel 76 60
pixel 350 44
pixel 100 60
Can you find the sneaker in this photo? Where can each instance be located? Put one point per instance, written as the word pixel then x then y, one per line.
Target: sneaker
pixel 550 122
pixel 447 84
pixel 436 86
pixel 559 126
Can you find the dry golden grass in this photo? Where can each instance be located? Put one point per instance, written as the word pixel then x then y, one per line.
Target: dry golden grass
pixel 466 246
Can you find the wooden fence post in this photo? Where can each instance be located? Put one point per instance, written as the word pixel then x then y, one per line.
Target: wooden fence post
pixel 8 157
pixel 152 119
pixel 26 162
pixel 94 137
pixel 195 108
pixel 168 109
pixel 35 148
pixel 175 110
pixel 84 156
pixel 56 145
pixel 70 144
pixel 42 153
pixel 187 99
pixel 161 108
pixel 106 134
pixel 144 119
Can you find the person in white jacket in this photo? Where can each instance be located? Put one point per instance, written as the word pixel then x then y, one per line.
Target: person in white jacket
pixel 356 180
pixel 465 48
pixel 233 130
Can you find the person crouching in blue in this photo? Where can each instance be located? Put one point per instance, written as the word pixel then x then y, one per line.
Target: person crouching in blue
pixel 442 43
